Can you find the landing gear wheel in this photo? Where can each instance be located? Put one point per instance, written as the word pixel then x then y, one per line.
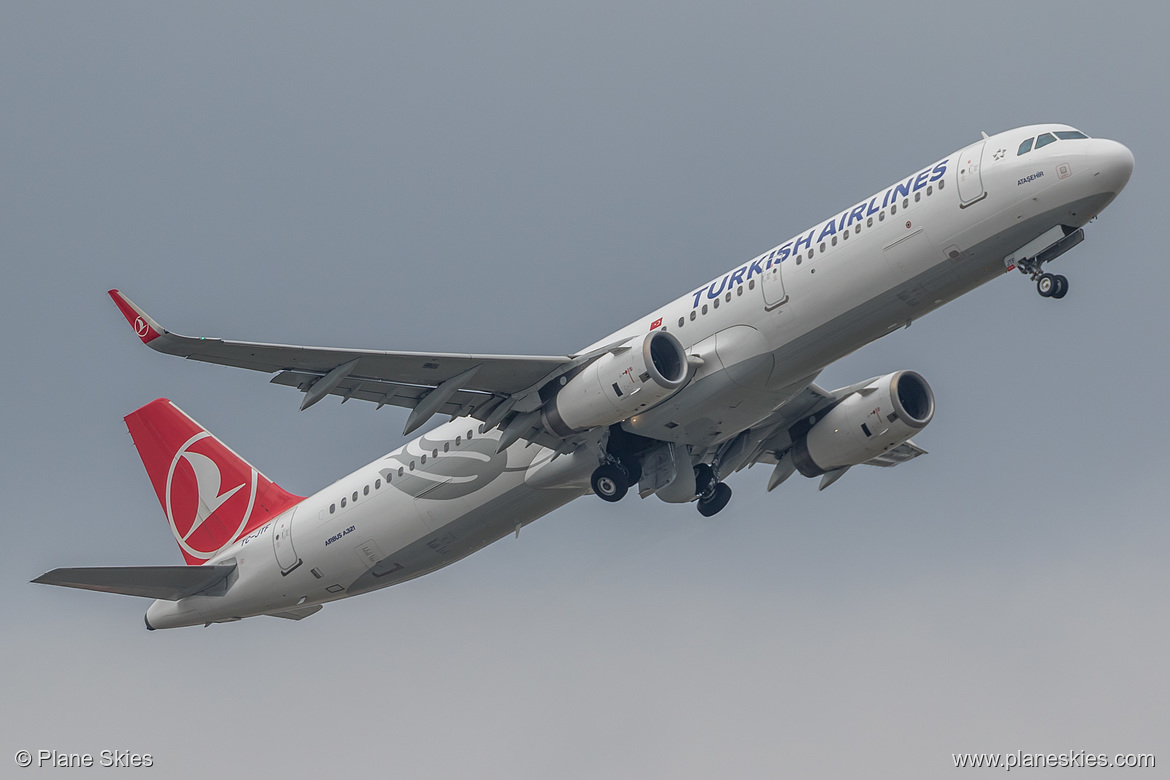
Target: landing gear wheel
pixel 718 499
pixel 1061 287
pixel 1046 285
pixel 609 483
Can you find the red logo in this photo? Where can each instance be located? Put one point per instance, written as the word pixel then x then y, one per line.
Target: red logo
pixel 207 499
pixel 141 328
pixel 656 323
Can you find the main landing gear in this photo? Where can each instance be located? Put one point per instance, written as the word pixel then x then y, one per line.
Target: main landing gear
pixel 713 494
pixel 611 481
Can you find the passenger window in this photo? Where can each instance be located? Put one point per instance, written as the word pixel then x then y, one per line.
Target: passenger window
pixel 929 190
pixel 1025 147
pixel 1045 139
pixel 905 203
pixel 704 308
pixel 343 503
pixel 799 258
pixel 366 490
pixel 869 222
pixel 941 183
pixel 893 209
pixel 332 508
pixel 739 290
pixel 1069 135
pixel 435 452
pixel 469 433
pixel 845 235
pixel 400 471
pixel 692 315
pixel 458 440
pixel 446 446
pixel 728 296
pixel 412 465
pixel 881 215
pixel 834 241
pixel 857 228
pixel 811 253
pixel 423 459
pixel 355 495
pixel 716 303
pixel 822 246
pixel 378 482
pixel 752 284
pixel 917 196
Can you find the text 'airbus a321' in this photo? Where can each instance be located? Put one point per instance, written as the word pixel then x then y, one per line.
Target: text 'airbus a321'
pixel 713 381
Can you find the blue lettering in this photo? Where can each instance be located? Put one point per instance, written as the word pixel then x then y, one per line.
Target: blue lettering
pixel 698 295
pixel 886 200
pixel 829 230
pixel 737 276
pixel 920 180
pixel 940 170
pixel 903 189
pixel 857 214
pixel 806 240
pixel 873 209
pixel 755 268
pixel 712 292
pixel 785 253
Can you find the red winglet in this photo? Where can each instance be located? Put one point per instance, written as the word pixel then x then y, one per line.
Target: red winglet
pixel 147 329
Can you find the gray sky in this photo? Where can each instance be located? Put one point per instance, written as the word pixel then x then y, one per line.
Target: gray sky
pixel 518 178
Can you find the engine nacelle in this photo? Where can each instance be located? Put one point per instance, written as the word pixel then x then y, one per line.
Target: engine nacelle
pixel 865 424
pixel 619 384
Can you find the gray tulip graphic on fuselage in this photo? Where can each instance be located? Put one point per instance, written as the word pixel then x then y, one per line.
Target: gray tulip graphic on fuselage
pixel 464 469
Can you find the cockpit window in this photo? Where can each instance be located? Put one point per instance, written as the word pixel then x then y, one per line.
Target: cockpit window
pixel 1068 135
pixel 1045 139
pixel 1026 146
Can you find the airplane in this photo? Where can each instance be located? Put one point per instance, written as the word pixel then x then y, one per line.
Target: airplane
pixel 717 380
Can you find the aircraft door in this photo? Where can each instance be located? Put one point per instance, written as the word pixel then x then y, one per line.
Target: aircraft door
pixel 772 283
pixel 286 556
pixel 969 175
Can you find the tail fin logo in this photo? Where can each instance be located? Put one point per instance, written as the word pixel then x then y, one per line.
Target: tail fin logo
pixel 140 327
pixel 205 515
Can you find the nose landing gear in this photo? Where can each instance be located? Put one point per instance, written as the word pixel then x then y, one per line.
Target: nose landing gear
pixel 1052 286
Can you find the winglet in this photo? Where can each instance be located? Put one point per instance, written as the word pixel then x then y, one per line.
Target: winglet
pixel 146 328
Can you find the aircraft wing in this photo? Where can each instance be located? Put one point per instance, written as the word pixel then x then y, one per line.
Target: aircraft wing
pixel 484 386
pixel 156 582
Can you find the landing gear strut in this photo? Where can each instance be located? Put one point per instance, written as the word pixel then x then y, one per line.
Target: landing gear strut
pixel 713 494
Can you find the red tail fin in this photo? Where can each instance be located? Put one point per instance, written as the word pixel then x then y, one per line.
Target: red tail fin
pixel 211 496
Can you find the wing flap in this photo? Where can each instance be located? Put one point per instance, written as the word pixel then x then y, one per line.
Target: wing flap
pixel 155 582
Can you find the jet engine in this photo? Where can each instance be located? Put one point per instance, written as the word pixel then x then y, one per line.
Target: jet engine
pixel 866 423
pixel 619 384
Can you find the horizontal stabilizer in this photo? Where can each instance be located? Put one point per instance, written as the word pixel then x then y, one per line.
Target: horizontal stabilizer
pixel 153 582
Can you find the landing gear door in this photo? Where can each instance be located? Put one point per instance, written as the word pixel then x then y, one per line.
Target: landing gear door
pixel 286 556
pixel 969 175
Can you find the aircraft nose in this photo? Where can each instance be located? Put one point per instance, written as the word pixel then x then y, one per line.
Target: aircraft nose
pixel 1114 165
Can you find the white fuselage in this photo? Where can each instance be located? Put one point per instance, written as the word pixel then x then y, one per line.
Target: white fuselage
pixel 763 330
